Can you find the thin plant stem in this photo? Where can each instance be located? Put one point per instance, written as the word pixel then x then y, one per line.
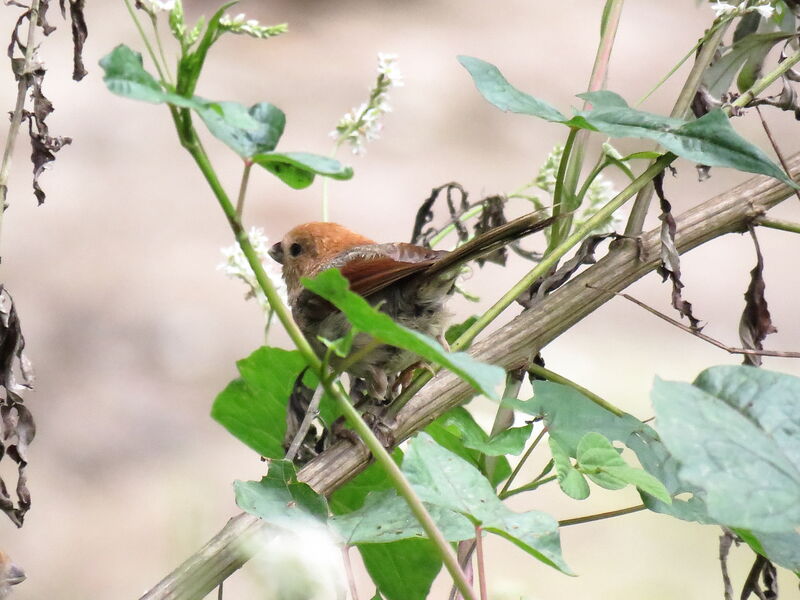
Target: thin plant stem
pixel 348 567
pixel 311 413
pixel 778 224
pixel 612 13
pixel 324 207
pixel 775 146
pixel 16 116
pixel 642 203
pixel 475 210
pixel 145 40
pixel 248 164
pixel 521 462
pixel 161 50
pixel 529 486
pixel 559 230
pixel 481 562
pixel 556 378
pixel 600 516
pixel 504 417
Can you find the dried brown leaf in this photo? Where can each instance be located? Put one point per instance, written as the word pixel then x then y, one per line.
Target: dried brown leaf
pixel 17 428
pixel 670 267
pixel 492 216
pixel 79 33
pixel 425 214
pixel 756 323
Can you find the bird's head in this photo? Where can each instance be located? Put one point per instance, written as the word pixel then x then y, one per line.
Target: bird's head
pixel 309 248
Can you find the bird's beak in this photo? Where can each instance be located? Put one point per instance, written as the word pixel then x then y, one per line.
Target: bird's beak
pixel 15 575
pixel 276 252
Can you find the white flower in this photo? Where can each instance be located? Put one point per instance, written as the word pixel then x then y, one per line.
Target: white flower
pixel 764 10
pixel 237 267
pixel 546 179
pixel 723 8
pixel 363 124
pixel 240 24
pixel 163 4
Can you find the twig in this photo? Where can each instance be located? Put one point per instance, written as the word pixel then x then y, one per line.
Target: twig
pixel 725 541
pixel 481 564
pixel 700 334
pixel 248 164
pixel 600 516
pixel 521 462
pixel 509 347
pixel 16 116
pixel 778 224
pixel 311 413
pixel 348 567
pixel 775 147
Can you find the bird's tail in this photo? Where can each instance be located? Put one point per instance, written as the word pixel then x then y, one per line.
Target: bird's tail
pixel 492 240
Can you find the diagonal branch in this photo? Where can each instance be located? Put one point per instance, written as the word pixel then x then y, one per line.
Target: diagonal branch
pixel 510 347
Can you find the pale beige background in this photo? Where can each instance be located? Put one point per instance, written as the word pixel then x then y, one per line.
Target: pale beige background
pixel 133 331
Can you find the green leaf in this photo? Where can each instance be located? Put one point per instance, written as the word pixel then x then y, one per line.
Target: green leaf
pixel 496 89
pixel 191 63
pixel 253 407
pixel 386 517
pixel 280 499
pixel 351 495
pixel 442 479
pixel 453 428
pixel 509 441
pixel 402 570
pixel 781 548
pixel 124 75
pixel 569 415
pixel 737 440
pixel 454 331
pixel 602 463
pixel 720 75
pixel 571 481
pixel 247 131
pixel 340 347
pixel 297 169
pixel 333 287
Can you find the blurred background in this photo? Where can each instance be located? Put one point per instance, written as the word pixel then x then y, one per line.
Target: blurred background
pixel 133 330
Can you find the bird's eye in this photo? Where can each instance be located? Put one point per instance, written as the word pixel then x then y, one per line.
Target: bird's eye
pixel 295 249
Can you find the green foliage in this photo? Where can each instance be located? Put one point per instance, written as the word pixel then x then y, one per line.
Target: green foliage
pixel 736 433
pixel 709 140
pixel 253 132
pixel 332 286
pixel 253 407
pixel 443 479
pixel 280 499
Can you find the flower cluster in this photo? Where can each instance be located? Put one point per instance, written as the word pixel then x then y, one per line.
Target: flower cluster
pixel 237 267
pixel 600 190
pixel 362 124
pixel 240 24
pixel 151 7
pixel 765 8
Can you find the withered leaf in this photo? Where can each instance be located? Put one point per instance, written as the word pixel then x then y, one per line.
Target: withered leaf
pixel 425 214
pixel 79 33
pixel 17 428
pixel 670 267
pixel 756 323
pixel 584 256
pixel 492 216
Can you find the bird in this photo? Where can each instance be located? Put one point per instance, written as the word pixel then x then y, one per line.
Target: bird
pixel 410 283
pixel 10 574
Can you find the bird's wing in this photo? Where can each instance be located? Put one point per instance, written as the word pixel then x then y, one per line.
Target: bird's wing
pixel 370 269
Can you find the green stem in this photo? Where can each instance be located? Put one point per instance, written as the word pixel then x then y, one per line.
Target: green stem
pixel 612 13
pixel 642 203
pixel 504 417
pixel 404 488
pixel 529 486
pixel 560 230
pixel 556 378
pixel 778 224
pixel 521 462
pixel 248 164
pixel 601 516
pixel 475 210
pixel 161 50
pixel 552 258
pixel 481 562
pixel 145 40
